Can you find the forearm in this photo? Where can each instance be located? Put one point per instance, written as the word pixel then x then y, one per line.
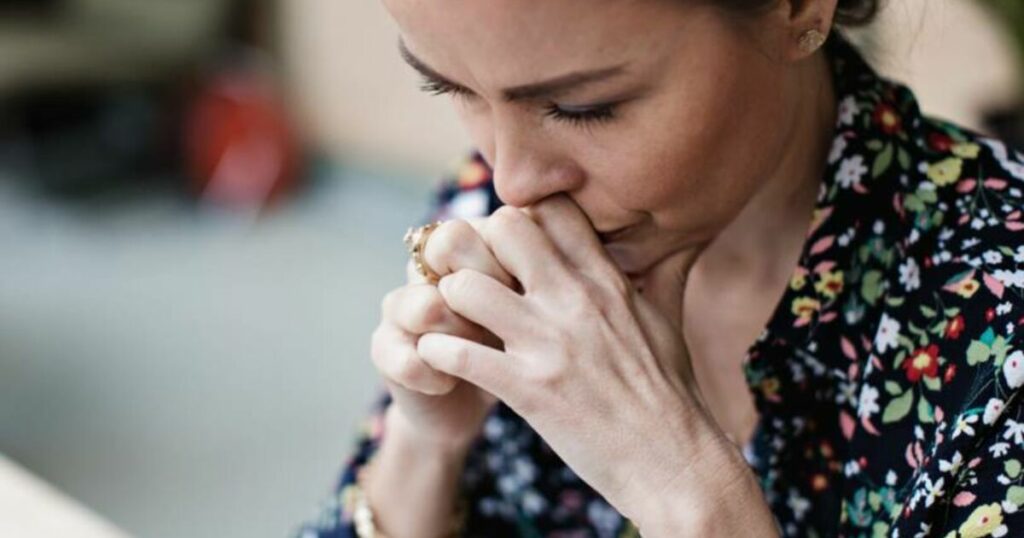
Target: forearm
pixel 413 488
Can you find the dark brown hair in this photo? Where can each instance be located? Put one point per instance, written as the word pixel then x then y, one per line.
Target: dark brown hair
pixel 849 13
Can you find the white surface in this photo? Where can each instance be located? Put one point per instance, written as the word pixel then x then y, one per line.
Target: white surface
pixel 31 508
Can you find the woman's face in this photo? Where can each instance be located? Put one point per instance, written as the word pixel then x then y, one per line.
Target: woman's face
pixel 664 116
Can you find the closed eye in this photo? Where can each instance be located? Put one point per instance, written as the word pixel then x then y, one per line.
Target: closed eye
pixel 576 116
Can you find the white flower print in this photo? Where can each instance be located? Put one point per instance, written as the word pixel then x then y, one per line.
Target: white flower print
pixel 848 110
pixel 963 425
pixel 999 450
pixel 1015 430
pixel 910 275
pixel 1010 278
pixel 838 147
pixel 851 170
pixel 868 404
pixel 888 334
pixel 1013 369
pixel 993 409
pixel 933 490
pixel 992 256
pixel 798 505
pixel 605 518
pixel 953 464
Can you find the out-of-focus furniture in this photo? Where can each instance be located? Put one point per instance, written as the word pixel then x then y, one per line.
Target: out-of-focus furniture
pixel 101 41
pixel 32 508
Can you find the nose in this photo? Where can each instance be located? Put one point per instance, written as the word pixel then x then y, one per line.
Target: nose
pixel 528 168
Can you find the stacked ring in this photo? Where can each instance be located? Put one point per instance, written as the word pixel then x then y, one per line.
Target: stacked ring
pixel 416 241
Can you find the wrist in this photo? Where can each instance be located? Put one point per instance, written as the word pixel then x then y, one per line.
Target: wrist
pixel 407 437
pixel 720 496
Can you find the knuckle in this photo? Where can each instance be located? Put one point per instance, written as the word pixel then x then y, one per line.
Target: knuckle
pixel 429 311
pixel 378 346
pixel 461 362
pixel 547 377
pixel 616 283
pixel 407 368
pixel 459 282
pixel 504 218
pixel 445 239
pixel 387 304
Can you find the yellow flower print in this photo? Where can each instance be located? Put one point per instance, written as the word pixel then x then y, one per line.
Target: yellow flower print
pixel 770 387
pixel 830 284
pixel 945 171
pixel 967 288
pixel 986 520
pixel 797 281
pixel 966 150
pixel 804 308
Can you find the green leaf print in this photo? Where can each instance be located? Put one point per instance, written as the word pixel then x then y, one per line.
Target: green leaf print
pixel 874 501
pixel 893 387
pixel 999 349
pixel 1012 468
pixel 913 203
pixel 1015 495
pixel 925 413
pixel 977 353
pixel 898 407
pixel 904 158
pixel 882 161
pixel 871 287
pixel 933 383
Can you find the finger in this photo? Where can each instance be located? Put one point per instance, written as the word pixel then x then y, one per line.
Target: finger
pixel 420 308
pixel 522 248
pixel 486 302
pixel 395 356
pixel 570 230
pixel 456 244
pixel 664 284
pixel 490 369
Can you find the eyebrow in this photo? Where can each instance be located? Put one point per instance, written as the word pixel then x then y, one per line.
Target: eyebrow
pixel 547 88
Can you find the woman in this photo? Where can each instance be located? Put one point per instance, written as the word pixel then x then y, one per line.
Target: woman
pixel 712 203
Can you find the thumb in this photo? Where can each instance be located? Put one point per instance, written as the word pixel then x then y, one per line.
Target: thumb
pixel 664 284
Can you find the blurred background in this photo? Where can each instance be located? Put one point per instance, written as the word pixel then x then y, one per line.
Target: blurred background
pixel 201 206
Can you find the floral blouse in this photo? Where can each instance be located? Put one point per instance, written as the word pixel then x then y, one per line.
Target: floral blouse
pixel 888 378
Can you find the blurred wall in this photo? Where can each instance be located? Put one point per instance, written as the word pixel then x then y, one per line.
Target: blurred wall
pixel 952 53
pixel 354 93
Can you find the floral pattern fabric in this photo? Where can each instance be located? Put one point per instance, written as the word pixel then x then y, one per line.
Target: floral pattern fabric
pixel 887 380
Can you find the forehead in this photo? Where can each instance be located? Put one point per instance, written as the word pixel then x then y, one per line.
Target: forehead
pixel 504 42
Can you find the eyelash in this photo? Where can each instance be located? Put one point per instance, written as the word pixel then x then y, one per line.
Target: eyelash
pixel 583 118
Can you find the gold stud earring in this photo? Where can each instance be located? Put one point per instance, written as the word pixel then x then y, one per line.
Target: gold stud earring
pixel 811 40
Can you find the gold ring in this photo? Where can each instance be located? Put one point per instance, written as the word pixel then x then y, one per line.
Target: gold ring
pixel 416 241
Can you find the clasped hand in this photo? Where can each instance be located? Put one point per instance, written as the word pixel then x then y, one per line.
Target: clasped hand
pixel 598 369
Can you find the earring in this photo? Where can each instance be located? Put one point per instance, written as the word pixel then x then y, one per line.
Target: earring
pixel 811 40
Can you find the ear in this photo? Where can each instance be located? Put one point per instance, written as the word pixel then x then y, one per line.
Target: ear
pixel 799 16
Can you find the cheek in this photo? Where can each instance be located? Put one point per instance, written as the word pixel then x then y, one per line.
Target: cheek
pixel 694 163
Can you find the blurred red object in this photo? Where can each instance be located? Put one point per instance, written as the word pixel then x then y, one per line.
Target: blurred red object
pixel 240 147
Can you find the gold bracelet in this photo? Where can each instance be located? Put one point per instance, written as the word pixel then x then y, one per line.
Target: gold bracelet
pixel 362 515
